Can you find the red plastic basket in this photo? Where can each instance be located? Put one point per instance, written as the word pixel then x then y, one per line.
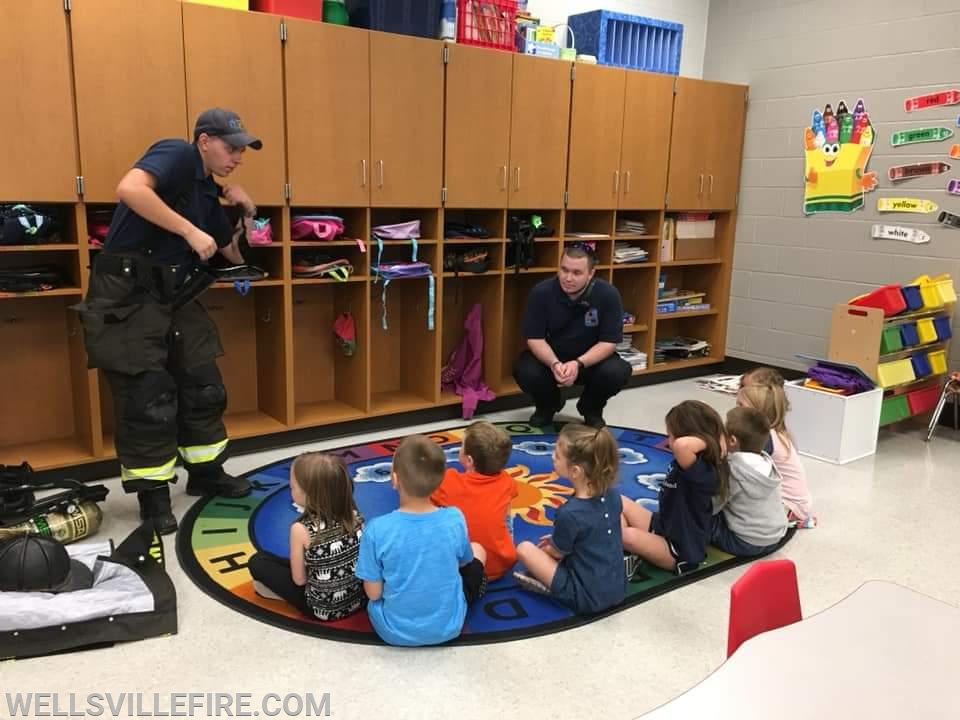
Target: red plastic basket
pixel 487 23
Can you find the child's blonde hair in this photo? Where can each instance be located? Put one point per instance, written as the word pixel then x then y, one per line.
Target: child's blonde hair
pixel 327 489
pixel 771 400
pixel 762 376
pixel 593 450
pixel 488 445
pixel 693 418
pixel 419 464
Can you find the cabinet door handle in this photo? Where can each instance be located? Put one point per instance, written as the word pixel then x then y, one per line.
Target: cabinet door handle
pixel 711 184
pixel 380 165
pixel 516 177
pixel 363 173
pixel 700 191
pixel 503 177
pixel 627 189
pixel 616 181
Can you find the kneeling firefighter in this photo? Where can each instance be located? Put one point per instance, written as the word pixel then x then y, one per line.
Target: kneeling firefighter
pixel 145 329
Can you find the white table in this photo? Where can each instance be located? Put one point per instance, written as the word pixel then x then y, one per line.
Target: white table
pixel 885 651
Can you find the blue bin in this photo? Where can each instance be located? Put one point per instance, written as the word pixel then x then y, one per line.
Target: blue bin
pixel 912 296
pixel 942 326
pixel 921 364
pixel 629 41
pixel 406 17
pixel 908 333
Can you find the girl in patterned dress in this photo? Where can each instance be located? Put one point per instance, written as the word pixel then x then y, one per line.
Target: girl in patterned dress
pixel 319 577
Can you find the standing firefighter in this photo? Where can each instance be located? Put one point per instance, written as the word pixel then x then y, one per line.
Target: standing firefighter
pixel 145 329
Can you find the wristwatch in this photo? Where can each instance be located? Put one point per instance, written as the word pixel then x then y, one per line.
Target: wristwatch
pixel 581 365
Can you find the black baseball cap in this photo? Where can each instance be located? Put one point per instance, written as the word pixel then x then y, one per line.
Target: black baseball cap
pixel 33 563
pixel 226 124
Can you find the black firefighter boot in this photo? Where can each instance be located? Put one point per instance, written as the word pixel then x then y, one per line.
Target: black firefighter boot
pixel 155 508
pixel 215 480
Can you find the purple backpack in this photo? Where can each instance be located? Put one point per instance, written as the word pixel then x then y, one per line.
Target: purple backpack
pixel 838 378
pixel 463 373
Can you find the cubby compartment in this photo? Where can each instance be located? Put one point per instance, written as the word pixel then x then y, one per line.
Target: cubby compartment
pixel 402 251
pixel 688 291
pixel 549 223
pixel 403 357
pixel 546 257
pixel 638 291
pixel 459 297
pixel 516 288
pixel 328 384
pixel 325 253
pixel 46 419
pixel 638 224
pixel 588 224
pixel 356 225
pixel 55 271
pixel 57 231
pixel 695 327
pixel 430 228
pixel 251 330
pixel 492 221
pixel 269 258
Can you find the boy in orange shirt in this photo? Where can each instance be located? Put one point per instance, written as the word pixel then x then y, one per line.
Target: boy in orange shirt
pixel 483 494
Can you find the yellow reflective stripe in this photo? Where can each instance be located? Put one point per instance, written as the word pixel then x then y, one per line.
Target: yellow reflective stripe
pixel 197 454
pixel 167 471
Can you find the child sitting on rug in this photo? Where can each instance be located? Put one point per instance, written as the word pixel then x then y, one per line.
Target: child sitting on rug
pixel 581 563
pixel 770 399
pixel 417 565
pixel 483 493
pixel 675 537
pixel 749 520
pixel 318 579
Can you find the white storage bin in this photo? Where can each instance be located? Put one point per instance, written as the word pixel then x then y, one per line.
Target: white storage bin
pixel 835 428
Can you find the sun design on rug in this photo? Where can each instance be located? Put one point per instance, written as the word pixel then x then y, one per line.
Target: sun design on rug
pixel 536 493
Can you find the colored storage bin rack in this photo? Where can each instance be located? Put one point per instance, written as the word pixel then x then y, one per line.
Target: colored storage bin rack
pixel 926 331
pixel 888 298
pixel 406 17
pixel 924 399
pixel 942 326
pixel 895 372
pixel 304 9
pixel 938 361
pixel 890 340
pixel 893 409
pixel 629 41
pixel 912 297
pixel 908 334
pixel 487 23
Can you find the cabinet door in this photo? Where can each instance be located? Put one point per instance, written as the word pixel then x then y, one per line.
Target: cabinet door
pixel 648 110
pixel 478 127
pixel 539 132
pixel 726 116
pixel 596 129
pixel 328 114
pixel 406 122
pixel 689 144
pixel 254 88
pixel 130 86
pixel 40 155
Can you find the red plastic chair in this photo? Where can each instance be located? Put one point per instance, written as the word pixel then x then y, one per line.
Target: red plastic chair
pixel 766 597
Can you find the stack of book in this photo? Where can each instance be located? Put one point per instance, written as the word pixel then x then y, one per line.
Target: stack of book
pixel 631 227
pixel 626 350
pixel 676 348
pixel 671 301
pixel 625 253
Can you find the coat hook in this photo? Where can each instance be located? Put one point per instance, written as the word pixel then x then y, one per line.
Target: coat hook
pixel 266 316
pixel 13 320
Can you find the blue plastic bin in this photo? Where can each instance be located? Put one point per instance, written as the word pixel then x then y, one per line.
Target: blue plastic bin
pixel 629 41
pixel 921 364
pixel 405 17
pixel 942 326
pixel 912 296
pixel 908 332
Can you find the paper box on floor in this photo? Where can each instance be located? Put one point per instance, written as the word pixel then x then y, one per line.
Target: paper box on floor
pixel 835 428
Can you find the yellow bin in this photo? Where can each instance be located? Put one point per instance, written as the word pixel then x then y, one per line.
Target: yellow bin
pixel 938 361
pixel 232 4
pixel 896 372
pixel 926 331
pixel 945 288
pixel 928 291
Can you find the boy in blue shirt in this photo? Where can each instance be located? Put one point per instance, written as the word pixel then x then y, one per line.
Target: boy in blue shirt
pixel 417 564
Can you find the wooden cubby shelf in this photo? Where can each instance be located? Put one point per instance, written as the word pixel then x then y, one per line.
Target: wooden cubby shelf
pixel 600 155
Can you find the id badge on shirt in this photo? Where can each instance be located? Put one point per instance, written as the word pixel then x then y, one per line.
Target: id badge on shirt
pixel 591 318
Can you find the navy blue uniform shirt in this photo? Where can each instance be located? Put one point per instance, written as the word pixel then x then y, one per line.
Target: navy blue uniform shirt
pixel 184 186
pixel 571 327
pixel 686 508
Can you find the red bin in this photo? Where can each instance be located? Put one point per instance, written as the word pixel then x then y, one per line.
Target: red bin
pixel 306 9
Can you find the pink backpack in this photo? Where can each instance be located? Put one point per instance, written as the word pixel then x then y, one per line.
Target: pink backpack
pixel 463 373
